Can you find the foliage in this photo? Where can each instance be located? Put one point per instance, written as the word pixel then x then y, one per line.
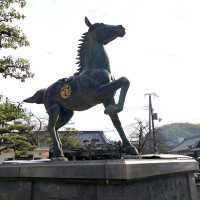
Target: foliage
pixel 19 143
pixel 9 112
pixel 14 132
pixel 69 140
pixel 16 128
pixel 140 134
pixel 12 36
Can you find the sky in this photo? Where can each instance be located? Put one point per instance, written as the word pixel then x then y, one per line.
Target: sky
pixel 160 53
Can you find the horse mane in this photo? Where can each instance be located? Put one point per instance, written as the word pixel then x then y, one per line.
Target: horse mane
pixel 81 52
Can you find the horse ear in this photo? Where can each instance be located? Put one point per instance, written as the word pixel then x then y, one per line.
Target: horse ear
pixel 87 22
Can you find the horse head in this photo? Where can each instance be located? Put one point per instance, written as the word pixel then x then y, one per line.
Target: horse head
pixel 103 33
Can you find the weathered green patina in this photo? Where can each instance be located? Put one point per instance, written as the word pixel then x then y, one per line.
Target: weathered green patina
pixel 92 84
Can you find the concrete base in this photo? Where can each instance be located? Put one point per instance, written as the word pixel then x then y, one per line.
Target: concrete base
pixel 198 191
pixel 126 179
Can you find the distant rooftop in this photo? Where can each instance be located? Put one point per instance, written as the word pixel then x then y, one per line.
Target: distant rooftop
pixel 187 144
pixel 82 136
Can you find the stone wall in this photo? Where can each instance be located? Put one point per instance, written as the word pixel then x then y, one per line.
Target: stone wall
pixel 159 179
pixel 198 191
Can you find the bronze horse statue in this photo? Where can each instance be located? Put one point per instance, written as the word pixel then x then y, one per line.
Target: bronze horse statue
pixel 92 84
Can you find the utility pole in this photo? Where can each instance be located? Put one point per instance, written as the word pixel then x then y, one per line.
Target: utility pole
pixel 152 117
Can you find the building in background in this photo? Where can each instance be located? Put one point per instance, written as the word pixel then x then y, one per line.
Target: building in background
pixel 189 146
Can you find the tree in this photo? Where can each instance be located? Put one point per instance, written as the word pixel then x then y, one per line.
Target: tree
pixel 19 143
pixel 12 36
pixel 140 134
pixel 9 112
pixel 68 139
pixel 15 133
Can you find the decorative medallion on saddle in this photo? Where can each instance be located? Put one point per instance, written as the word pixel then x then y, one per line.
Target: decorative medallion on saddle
pixel 65 91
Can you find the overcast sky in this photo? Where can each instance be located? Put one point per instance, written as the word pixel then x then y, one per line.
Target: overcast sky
pixel 160 53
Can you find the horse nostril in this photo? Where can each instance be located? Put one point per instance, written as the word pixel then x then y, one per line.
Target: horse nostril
pixel 122 30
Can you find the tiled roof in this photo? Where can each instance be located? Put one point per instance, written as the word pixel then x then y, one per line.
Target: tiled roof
pixel 187 144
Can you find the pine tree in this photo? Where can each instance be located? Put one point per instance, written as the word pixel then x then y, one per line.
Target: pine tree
pixel 15 133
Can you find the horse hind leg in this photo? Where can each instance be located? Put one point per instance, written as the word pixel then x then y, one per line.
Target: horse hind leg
pixel 54 111
pixel 64 117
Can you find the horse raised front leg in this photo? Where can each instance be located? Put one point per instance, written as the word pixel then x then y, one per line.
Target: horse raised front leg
pixel 53 112
pixel 108 89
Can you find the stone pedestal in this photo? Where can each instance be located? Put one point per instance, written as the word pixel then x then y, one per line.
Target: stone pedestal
pixel 125 179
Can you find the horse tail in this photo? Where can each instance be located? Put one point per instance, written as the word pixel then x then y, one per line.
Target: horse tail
pixel 38 97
